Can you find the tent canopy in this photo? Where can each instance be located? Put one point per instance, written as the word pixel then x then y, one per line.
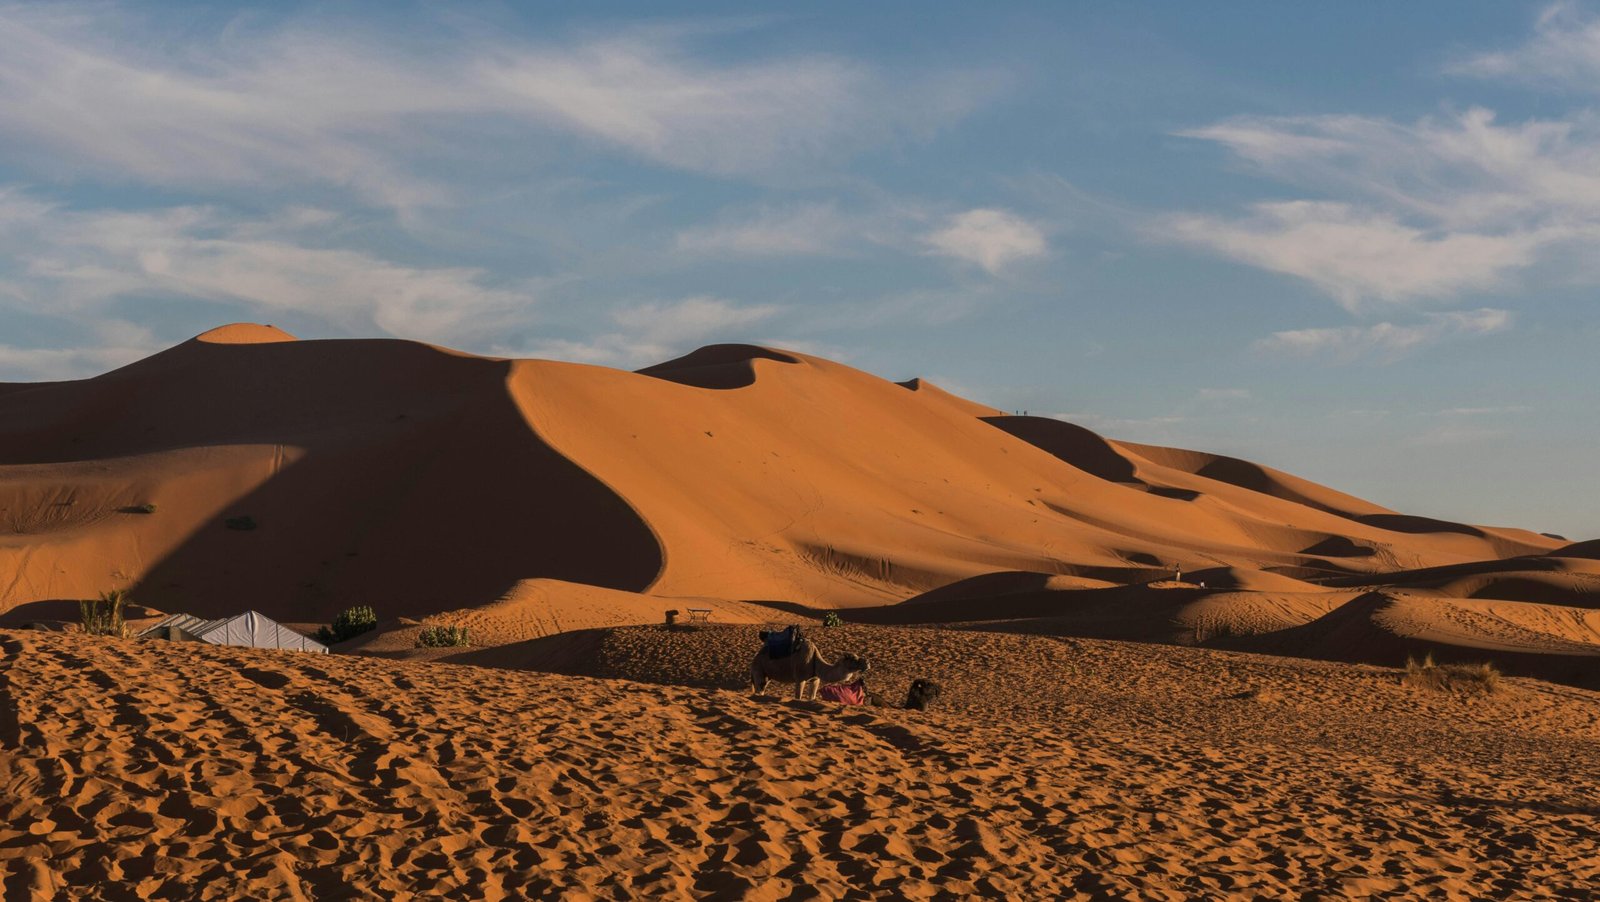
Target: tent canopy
pixel 249 630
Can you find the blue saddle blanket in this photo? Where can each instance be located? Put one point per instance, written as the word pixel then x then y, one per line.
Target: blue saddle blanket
pixel 782 643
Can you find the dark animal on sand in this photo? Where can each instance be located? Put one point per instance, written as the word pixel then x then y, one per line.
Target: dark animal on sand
pixel 922 694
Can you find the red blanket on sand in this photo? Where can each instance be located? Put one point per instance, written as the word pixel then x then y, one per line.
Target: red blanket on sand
pixel 843 693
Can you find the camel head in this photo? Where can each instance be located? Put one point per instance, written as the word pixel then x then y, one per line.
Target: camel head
pixel 855 665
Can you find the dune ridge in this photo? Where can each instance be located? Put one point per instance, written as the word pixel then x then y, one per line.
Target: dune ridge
pixel 246 468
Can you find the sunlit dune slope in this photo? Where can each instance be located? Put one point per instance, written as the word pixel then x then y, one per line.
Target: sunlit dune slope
pixel 300 477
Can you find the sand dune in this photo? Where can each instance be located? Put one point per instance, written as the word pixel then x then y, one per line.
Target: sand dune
pixel 581 749
pixel 524 498
pixel 1075 770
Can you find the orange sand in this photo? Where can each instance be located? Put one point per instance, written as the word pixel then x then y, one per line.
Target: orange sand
pixel 1073 770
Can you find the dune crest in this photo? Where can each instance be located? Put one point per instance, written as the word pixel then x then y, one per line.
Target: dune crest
pixel 244 334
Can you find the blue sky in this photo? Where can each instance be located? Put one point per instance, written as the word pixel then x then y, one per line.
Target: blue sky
pixel 1356 242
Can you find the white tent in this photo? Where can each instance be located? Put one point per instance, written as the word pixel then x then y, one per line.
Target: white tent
pixel 250 630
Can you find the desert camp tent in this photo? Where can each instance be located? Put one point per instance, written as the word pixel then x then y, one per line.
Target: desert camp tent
pixel 250 630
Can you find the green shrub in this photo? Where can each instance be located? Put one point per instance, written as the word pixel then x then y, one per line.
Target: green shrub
pixel 244 523
pixel 832 618
pixel 145 508
pixel 1470 678
pixel 103 617
pixel 350 623
pixel 442 637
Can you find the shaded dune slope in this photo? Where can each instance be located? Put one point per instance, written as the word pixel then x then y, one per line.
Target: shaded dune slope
pixel 379 471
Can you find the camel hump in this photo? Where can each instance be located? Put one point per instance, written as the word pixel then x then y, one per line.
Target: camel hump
pixel 783 643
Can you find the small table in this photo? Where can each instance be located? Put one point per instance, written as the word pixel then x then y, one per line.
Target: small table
pixel 699 615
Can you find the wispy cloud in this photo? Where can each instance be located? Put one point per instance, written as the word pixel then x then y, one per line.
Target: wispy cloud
pixel 1564 51
pixel 354 108
pixel 1440 208
pixel 1468 170
pixel 1385 341
pixel 1357 256
pixel 993 239
pixel 81 261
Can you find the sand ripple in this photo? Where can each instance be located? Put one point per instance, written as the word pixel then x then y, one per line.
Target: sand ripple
pixel 148 770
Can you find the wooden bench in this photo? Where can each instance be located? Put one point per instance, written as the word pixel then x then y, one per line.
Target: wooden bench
pixel 699 615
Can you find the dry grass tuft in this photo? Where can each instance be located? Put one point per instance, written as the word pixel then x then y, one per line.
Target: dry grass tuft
pixel 103 616
pixel 1463 678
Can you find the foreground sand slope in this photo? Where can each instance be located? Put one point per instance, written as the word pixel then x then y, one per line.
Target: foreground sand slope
pixel 1086 770
pixel 422 480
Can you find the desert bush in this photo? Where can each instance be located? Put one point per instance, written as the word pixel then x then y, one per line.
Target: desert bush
pixel 145 508
pixel 442 637
pixel 103 616
pixel 244 523
pixel 1472 678
pixel 350 623
pixel 832 618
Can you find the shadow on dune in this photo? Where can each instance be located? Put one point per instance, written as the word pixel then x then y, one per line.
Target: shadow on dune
pixel 390 473
pixel 1432 576
pixel 1352 633
pixel 1070 443
pixel 1338 546
pixel 1020 602
pixel 573 654
pixel 1417 525
pixel 716 366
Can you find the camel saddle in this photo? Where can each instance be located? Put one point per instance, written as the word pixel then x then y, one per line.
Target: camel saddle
pixel 783 643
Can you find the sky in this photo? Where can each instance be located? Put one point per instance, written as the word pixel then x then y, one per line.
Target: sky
pixel 1359 242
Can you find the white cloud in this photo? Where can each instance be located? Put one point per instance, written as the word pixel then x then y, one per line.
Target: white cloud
pixel 1462 171
pixel 328 103
pixel 689 319
pixel 1564 51
pixel 656 331
pixel 1355 256
pixel 1432 210
pixel 993 239
pixel 78 261
pixel 646 95
pixel 1385 341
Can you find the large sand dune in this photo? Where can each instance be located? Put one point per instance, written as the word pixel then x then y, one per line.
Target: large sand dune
pixel 530 497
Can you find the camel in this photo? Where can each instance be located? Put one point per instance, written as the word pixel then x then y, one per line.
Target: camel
pixel 804 667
